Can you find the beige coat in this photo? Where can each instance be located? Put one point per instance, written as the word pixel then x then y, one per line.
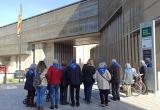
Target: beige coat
pixel 103 83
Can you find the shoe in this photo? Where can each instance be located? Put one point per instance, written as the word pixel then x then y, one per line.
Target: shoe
pixel 41 108
pixel 56 106
pixel 106 104
pixel 77 104
pixel 114 99
pixel 38 108
pixel 33 105
pixel 72 104
pixel 51 107
pixel 102 105
pixel 65 103
pixel 118 98
pixel 88 102
pixel 27 105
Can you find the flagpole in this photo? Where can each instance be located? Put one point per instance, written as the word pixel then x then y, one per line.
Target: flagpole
pixel 19 34
pixel 19 55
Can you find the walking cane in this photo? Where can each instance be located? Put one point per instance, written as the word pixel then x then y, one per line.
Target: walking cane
pixel 69 94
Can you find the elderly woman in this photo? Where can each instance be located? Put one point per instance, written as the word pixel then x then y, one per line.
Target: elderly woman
pixel 102 76
pixel 29 85
pixel 129 74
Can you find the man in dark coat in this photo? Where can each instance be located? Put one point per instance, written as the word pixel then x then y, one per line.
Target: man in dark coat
pixel 74 79
pixel 115 69
pixel 63 86
pixel 29 85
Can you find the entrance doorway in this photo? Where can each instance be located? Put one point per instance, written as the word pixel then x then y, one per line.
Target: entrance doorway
pixel 80 48
pixel 84 52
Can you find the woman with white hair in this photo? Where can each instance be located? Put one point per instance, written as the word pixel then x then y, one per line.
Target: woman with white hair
pixel 29 85
pixel 102 76
pixel 129 74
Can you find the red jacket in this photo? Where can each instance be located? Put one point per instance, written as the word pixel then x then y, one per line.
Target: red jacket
pixel 54 76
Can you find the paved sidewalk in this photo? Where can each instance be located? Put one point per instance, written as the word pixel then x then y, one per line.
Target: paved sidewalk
pixel 11 97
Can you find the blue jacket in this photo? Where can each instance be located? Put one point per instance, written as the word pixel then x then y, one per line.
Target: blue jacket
pixel 29 80
pixel 74 76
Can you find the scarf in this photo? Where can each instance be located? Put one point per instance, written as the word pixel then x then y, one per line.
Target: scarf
pixel 73 66
pixel 102 70
pixel 56 66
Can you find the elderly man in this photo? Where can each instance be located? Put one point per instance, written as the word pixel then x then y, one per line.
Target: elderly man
pixel 54 77
pixel 115 69
pixel 74 79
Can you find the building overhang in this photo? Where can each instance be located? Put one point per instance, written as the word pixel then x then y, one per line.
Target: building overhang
pixel 83 39
pixel 15 54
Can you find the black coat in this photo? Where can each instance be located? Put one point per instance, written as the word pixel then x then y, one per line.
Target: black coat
pixel 64 78
pixel 29 80
pixel 143 70
pixel 74 76
pixel 87 73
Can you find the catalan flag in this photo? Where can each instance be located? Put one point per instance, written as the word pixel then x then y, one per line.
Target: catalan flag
pixel 19 24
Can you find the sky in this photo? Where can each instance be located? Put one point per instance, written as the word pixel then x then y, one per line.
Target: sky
pixel 9 9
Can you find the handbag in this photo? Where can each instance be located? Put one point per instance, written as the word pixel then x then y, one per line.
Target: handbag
pixel 124 87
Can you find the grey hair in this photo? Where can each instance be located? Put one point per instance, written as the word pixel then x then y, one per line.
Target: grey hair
pixel 33 66
pixel 55 61
pixel 102 64
pixel 114 61
pixel 128 65
pixel 142 62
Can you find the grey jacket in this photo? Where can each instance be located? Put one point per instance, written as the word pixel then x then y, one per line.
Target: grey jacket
pixel 129 74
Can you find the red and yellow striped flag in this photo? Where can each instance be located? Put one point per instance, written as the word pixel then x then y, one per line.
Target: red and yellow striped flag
pixel 19 24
